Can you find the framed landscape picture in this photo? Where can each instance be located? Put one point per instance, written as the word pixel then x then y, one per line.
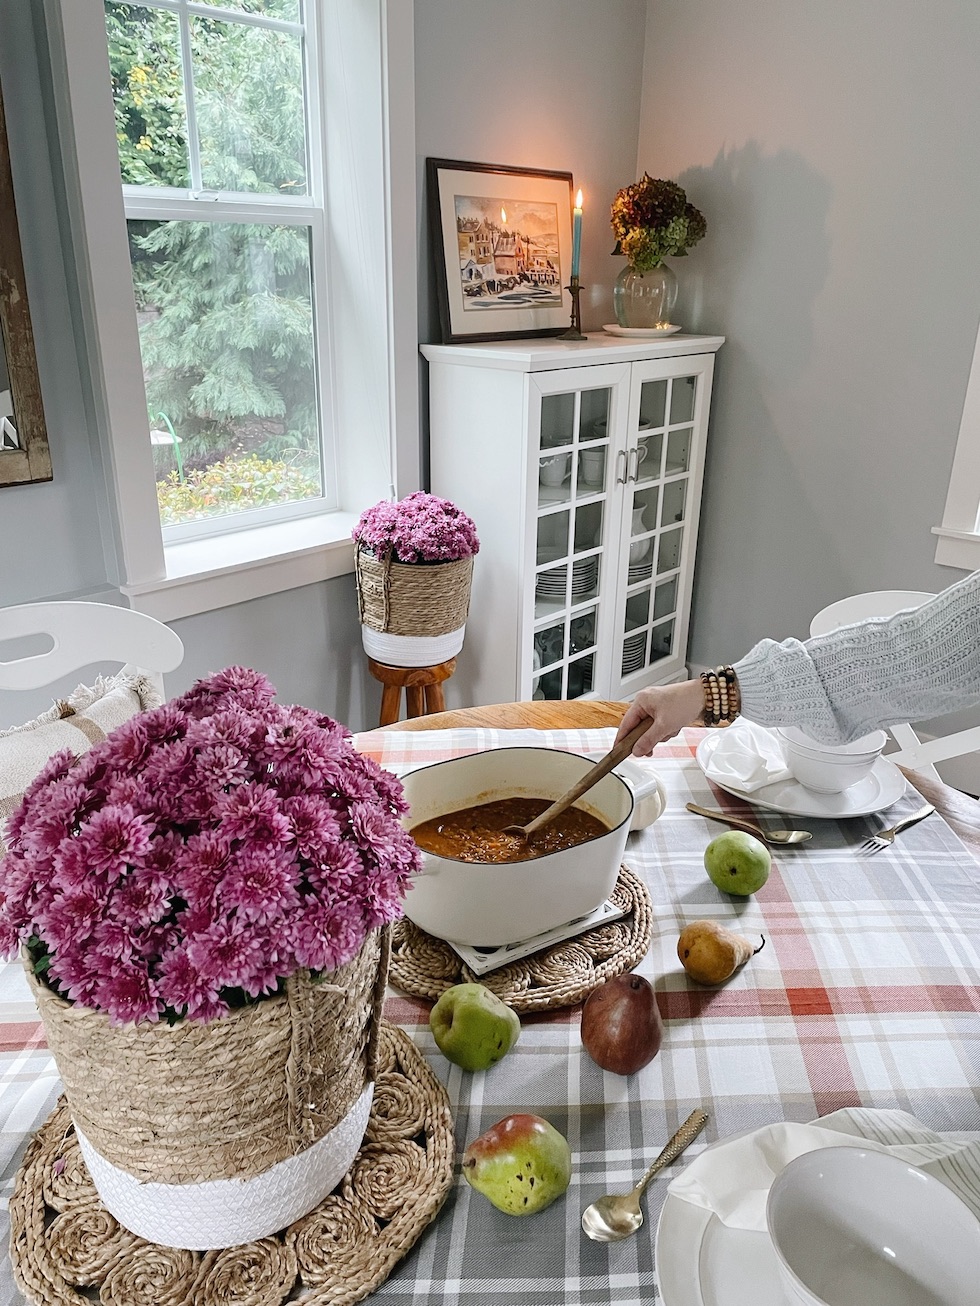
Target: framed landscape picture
pixel 502 241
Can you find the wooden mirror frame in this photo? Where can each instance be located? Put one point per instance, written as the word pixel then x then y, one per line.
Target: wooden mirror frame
pixel 31 459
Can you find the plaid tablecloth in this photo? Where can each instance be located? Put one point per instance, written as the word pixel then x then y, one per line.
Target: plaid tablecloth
pixel 866 994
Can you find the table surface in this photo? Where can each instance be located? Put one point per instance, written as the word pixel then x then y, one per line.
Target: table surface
pixel 866 994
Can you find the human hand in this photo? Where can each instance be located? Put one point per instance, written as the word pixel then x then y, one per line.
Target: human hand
pixel 668 708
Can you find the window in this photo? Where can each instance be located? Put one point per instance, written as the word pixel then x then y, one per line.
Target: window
pixel 219 153
pixel 959 534
pixel 240 301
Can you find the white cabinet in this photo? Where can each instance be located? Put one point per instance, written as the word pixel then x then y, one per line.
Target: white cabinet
pixel 581 464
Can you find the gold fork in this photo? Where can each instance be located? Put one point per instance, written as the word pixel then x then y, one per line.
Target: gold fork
pixel 884 838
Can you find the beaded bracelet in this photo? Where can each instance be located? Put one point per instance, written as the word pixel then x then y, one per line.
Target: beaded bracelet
pixel 722 701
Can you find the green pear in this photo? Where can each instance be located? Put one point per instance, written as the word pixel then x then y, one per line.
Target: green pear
pixel 521 1164
pixel 737 862
pixel 472 1027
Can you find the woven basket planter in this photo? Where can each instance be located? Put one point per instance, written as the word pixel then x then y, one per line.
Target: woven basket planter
pixel 412 614
pixel 209 1135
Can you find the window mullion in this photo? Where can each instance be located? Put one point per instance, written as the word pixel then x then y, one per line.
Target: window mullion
pixel 151 205
pixel 190 109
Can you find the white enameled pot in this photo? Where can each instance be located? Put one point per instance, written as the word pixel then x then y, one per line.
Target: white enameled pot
pixel 487 904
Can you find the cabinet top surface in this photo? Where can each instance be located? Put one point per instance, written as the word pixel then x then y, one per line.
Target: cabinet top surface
pixel 550 353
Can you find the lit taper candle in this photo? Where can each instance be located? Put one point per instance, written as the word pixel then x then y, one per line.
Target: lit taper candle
pixel 576 235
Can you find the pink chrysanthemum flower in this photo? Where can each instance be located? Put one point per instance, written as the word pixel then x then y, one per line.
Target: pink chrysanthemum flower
pixel 128 995
pixel 227 953
pixel 114 838
pixel 261 884
pixel 202 854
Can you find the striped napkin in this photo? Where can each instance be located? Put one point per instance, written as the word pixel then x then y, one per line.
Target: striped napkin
pixel 732 1179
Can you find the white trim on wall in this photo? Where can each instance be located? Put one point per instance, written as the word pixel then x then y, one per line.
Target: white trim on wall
pixel 958 544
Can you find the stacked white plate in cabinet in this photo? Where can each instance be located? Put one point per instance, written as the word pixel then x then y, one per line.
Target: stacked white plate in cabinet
pixel 634 652
pixel 640 571
pixel 551 584
pixel 584 577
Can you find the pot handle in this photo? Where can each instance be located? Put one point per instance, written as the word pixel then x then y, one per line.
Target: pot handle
pixel 646 785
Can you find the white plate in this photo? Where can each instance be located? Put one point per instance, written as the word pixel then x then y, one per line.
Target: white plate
pixel 884 786
pixel 640 333
pixel 701 1262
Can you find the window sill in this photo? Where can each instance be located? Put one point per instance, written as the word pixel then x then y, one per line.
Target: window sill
pixel 215 573
pixel 957 548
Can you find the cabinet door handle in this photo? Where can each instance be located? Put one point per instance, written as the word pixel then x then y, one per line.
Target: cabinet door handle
pixel 621 472
pixel 632 464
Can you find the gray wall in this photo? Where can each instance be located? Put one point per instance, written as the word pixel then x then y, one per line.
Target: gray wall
pixel 554 84
pixel 835 151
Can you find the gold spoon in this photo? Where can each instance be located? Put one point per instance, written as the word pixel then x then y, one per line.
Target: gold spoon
pixel 618 753
pixel 768 836
pixel 614 1217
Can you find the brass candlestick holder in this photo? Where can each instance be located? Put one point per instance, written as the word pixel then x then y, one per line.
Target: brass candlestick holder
pixel 574 331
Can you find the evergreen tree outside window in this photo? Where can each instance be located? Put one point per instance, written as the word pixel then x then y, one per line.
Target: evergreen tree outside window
pixel 219 156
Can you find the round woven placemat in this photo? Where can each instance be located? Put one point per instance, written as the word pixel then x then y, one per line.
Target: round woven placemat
pixel 558 976
pixel 67 1250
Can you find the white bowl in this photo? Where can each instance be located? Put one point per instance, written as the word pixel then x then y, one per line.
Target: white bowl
pixel 853 1227
pixel 830 768
pixel 867 746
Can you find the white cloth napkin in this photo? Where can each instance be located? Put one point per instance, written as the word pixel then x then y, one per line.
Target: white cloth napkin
pixel 747 757
pixel 732 1179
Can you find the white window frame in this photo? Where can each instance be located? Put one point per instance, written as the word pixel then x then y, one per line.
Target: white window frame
pixel 368 115
pixel 958 544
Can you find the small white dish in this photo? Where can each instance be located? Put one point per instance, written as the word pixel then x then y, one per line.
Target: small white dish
pixel 640 333
pixel 600 425
pixel 849 1224
pixel 883 787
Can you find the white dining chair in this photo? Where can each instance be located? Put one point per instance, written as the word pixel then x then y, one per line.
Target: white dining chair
pixel 915 753
pixel 83 634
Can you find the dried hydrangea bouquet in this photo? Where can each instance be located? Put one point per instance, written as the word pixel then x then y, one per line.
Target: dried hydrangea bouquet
pixel 651 220
pixel 201 902
pixel 414 570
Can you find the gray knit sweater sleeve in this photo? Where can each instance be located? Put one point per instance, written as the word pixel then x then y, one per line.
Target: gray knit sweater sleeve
pixel 837 687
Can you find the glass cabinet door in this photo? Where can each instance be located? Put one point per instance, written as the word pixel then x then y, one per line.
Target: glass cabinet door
pixel 575 474
pixel 659 524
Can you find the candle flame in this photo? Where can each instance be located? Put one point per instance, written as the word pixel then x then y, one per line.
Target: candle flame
pixel 503 215
pixel 578 199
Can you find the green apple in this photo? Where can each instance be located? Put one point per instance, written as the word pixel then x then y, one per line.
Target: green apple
pixel 521 1164
pixel 472 1027
pixel 737 862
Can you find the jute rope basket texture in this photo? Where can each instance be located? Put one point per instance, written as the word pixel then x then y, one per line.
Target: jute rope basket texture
pixel 67 1250
pixel 558 976
pixel 416 599
pixel 227 1099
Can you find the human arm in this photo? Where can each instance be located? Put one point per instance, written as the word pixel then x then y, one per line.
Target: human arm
pixel 916 664
pixel 668 707
pixel 837 687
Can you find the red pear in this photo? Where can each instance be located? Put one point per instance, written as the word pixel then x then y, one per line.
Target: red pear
pixel 621 1026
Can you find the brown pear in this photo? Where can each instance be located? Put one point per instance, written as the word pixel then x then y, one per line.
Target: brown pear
pixel 711 954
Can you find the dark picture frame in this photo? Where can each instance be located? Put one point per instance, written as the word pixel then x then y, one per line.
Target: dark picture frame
pixel 502 247
pixel 24 453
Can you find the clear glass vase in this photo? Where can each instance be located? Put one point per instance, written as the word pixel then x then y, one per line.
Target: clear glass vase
pixel 645 300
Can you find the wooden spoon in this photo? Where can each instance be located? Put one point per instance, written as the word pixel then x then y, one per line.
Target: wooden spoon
pixel 618 753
